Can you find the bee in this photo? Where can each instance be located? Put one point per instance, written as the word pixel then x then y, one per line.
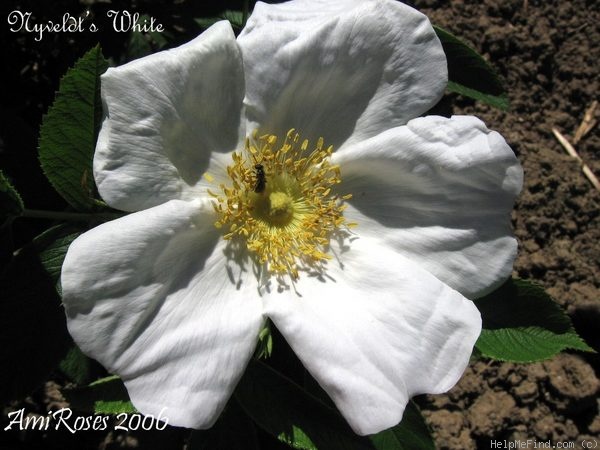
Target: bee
pixel 261 179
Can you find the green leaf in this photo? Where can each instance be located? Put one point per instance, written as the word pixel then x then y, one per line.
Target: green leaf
pixel 521 323
pixel 411 434
pixel 76 366
pixel 206 22
pixel 469 74
pixel 70 129
pixel 302 421
pixel 11 204
pixel 32 320
pixel 105 396
pixel 236 18
pixel 54 243
pixel 141 44
pixel 264 348
pixel 286 411
pixel 497 101
pixel 138 46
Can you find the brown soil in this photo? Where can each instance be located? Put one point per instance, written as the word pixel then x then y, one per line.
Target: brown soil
pixel 547 54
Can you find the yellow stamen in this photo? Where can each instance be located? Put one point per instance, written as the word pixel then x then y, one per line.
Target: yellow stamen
pixel 280 202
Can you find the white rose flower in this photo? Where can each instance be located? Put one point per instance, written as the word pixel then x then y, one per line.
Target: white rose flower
pixel 363 245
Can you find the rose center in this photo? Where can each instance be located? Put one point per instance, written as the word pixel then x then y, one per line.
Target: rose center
pixel 280 202
pixel 280 207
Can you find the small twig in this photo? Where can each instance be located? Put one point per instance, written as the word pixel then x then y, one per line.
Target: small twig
pixel 571 151
pixel 578 29
pixel 587 123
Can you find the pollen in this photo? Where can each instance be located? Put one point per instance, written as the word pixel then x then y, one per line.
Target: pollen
pixel 281 202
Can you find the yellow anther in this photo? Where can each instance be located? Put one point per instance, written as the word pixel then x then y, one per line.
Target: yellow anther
pixel 289 222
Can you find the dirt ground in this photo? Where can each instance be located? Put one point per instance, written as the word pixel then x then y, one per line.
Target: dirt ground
pixel 547 52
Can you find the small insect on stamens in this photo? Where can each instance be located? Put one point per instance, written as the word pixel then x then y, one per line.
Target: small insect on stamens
pixel 261 179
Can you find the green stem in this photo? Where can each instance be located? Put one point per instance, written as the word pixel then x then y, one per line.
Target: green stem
pixel 69 216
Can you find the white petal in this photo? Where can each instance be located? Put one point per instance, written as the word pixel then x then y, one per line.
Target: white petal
pixel 343 70
pixel 150 297
pixel 167 115
pixel 440 191
pixel 375 330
